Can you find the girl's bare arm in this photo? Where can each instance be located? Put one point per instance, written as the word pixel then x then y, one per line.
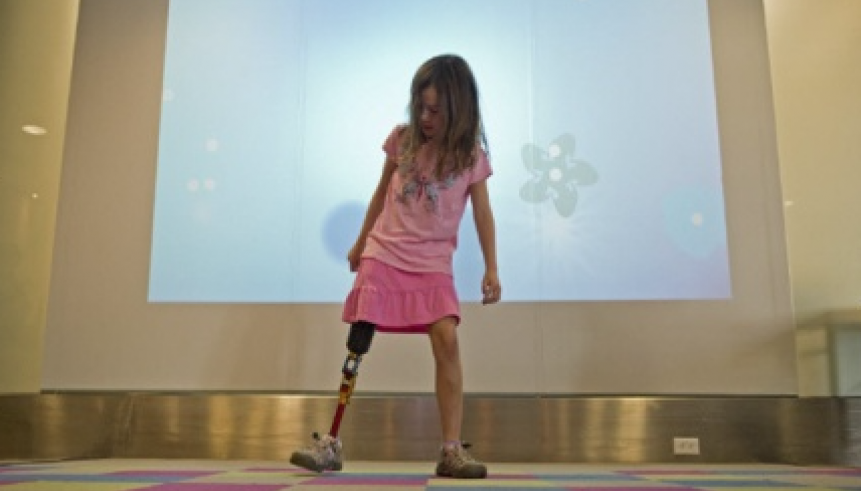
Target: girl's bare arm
pixel 491 288
pixel 375 207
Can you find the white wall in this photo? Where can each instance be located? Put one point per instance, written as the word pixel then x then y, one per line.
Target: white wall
pixel 102 334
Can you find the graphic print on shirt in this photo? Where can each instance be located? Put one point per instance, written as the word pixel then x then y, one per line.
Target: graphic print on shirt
pixel 421 187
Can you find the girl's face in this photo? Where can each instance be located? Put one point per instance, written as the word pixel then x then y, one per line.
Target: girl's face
pixel 430 118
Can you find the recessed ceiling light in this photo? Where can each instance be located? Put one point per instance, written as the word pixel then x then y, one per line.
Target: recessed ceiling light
pixel 32 129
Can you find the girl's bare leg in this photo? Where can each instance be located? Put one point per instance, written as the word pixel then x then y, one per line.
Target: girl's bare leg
pixel 449 377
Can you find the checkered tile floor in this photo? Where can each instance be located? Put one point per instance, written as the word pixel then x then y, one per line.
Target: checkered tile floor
pixel 183 475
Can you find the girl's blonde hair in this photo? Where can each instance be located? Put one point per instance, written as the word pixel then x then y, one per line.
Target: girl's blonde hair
pixel 462 127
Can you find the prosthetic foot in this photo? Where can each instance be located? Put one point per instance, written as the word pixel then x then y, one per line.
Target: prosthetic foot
pixel 325 453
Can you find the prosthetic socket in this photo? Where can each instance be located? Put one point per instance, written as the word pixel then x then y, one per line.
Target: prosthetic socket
pixel 358 343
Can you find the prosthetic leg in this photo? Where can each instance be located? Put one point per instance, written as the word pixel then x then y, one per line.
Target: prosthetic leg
pixel 325 452
pixel 358 343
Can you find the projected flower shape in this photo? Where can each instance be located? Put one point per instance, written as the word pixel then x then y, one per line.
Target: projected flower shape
pixel 555 174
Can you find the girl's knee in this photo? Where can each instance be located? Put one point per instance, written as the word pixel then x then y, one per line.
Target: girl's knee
pixel 444 330
pixel 443 335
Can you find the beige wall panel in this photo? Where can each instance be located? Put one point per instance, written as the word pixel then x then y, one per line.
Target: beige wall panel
pixel 36 40
pixel 102 334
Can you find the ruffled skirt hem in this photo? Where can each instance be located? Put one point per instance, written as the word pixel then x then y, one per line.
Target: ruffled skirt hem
pixel 398 301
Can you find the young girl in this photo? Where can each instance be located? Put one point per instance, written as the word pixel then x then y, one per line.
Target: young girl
pixel 403 254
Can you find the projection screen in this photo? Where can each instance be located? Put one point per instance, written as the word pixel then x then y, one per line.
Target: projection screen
pixel 601 117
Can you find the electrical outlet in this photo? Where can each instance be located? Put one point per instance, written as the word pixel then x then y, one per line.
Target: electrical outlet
pixel 686 446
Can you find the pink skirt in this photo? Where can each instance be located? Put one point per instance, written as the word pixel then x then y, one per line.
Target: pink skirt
pixel 398 301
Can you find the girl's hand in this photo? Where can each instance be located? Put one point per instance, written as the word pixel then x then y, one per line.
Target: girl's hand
pixel 490 288
pixel 354 256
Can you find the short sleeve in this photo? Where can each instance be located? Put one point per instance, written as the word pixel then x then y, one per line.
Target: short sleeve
pixel 481 170
pixel 392 143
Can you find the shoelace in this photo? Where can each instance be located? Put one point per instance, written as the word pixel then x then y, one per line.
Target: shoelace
pixel 318 442
pixel 460 454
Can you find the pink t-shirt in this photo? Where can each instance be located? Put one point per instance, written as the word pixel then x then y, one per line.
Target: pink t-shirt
pixel 417 229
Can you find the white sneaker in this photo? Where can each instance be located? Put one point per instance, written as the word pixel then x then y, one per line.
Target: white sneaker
pixel 458 463
pixel 324 454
